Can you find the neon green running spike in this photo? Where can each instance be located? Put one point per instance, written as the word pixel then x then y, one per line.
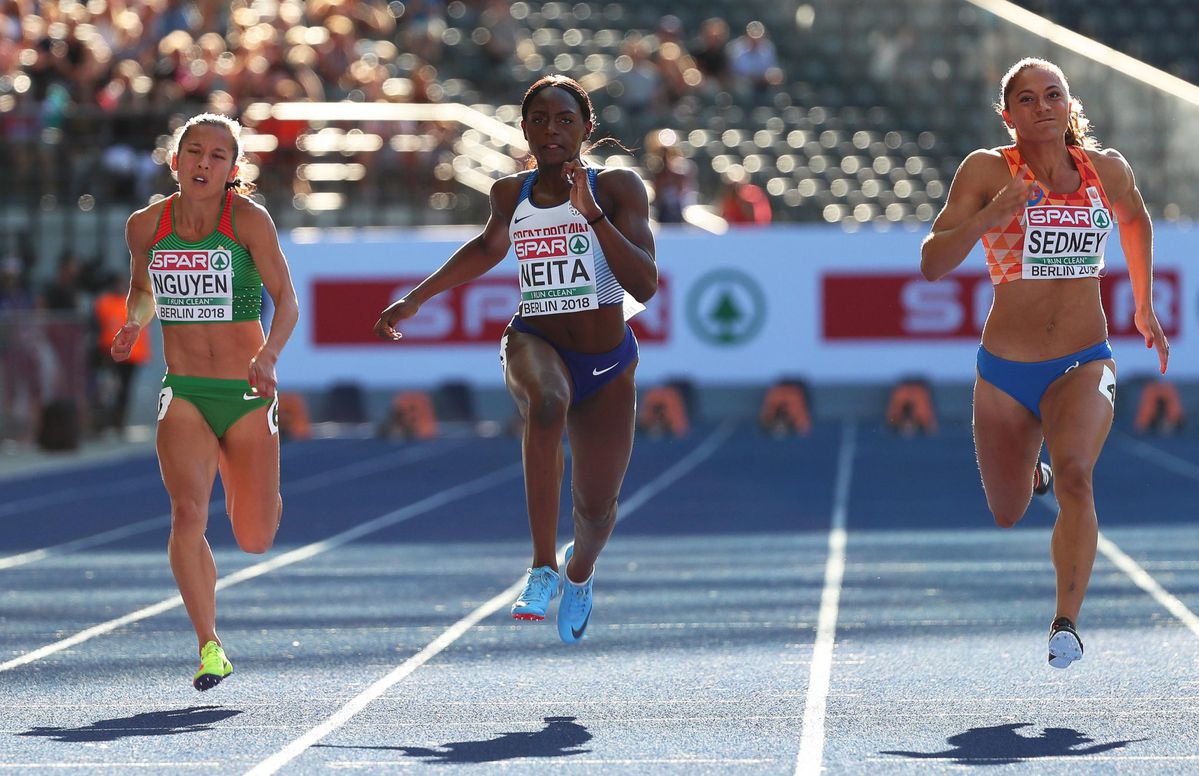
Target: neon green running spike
pixel 214 667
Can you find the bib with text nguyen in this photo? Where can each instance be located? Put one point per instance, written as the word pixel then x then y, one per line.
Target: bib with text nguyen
pixel 193 285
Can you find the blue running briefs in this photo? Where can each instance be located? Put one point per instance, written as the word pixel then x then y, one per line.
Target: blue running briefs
pixel 1027 381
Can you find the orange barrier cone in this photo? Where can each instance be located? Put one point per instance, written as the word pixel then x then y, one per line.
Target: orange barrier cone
pixel 910 409
pixel 785 410
pixel 1160 409
pixel 663 412
pixel 412 416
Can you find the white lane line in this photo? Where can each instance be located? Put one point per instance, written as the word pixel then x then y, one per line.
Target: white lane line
pixel 60 495
pixel 1159 457
pixel 297 747
pixel 1139 576
pixel 104 537
pixel 1144 580
pixel 172 766
pixel 924 763
pixel 811 742
pixel 301 485
pixel 557 763
pixel 428 504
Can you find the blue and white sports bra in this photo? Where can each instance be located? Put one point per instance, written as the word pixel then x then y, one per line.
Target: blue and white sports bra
pixel 562 266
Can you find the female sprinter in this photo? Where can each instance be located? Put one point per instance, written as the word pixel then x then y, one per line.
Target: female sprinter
pixel 200 259
pixel 582 240
pixel 1044 209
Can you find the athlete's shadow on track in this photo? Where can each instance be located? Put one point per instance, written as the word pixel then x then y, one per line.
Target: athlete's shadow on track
pixel 560 737
pixel 1002 745
pixel 173 722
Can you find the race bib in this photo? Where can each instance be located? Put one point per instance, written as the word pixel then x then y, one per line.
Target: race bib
pixel 193 286
pixel 557 269
pixel 1065 241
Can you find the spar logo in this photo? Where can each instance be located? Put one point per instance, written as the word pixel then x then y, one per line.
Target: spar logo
pixel 196 261
pixel 542 248
pixel 1069 217
pixel 191 261
pixel 579 244
pixel 726 307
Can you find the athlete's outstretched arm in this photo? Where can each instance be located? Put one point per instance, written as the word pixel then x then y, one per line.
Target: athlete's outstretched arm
pixel 971 209
pixel 1136 238
pixel 139 303
pixel 475 257
pixel 257 232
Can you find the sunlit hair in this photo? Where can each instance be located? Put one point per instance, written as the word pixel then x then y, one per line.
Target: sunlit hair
pixel 586 109
pixel 1078 126
pixel 234 129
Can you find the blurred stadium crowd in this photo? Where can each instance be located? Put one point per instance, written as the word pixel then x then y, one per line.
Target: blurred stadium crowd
pixel 89 91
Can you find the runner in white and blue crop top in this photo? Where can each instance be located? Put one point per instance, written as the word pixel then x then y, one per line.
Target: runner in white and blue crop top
pixel 585 256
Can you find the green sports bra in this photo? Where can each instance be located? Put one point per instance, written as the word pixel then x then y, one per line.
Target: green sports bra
pixel 213 280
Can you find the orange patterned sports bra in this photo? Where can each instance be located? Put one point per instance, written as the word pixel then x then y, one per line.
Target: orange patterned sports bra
pixel 1057 235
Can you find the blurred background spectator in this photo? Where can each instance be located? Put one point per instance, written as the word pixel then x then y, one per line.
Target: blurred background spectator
pixel 741 202
pixel 672 176
pixel 111 381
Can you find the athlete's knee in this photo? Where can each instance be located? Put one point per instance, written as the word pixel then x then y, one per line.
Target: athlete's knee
pixel 1007 513
pixel 255 541
pixel 547 409
pixel 1072 481
pixel 1008 518
pixel 596 512
pixel 188 515
pixel 255 534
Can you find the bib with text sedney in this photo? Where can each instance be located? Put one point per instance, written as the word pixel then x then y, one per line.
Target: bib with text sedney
pixel 213 280
pixel 1057 235
pixel 562 266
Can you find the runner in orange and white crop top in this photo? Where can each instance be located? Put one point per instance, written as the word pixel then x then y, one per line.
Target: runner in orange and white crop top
pixel 1057 235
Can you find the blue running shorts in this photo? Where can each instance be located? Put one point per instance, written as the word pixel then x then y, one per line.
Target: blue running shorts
pixel 1027 381
pixel 588 371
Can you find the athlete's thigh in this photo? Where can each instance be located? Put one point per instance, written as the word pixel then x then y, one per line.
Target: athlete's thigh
pixel 250 466
pixel 532 368
pixel 601 430
pixel 1007 440
pixel 1077 412
pixel 187 452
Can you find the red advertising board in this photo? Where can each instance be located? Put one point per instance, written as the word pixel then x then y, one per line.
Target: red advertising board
pixel 869 306
pixel 345 311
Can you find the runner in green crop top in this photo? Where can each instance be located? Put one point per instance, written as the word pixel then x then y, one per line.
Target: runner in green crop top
pixel 201 257
pixel 211 280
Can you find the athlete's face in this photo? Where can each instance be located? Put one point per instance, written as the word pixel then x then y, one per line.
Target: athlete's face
pixel 206 159
pixel 1038 105
pixel 554 126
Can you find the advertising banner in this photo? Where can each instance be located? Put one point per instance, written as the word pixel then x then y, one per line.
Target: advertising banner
pixel 745 308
